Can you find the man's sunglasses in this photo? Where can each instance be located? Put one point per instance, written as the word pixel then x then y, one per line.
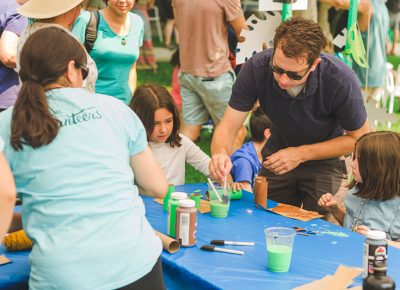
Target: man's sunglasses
pixel 290 74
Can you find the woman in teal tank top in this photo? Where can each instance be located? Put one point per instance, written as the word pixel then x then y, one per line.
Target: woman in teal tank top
pixel 116 49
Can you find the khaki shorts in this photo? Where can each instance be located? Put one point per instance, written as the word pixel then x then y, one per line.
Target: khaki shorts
pixel 203 97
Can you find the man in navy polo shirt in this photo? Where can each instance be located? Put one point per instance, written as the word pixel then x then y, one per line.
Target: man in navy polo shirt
pixel 315 104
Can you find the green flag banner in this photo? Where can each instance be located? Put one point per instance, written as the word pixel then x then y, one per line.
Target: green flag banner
pixel 355 46
pixel 286 11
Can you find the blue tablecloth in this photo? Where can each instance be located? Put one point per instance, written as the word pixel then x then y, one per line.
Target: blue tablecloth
pixel 191 268
pixel 313 256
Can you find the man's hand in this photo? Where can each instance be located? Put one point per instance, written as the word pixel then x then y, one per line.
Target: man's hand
pixel 284 160
pixel 327 201
pixel 220 166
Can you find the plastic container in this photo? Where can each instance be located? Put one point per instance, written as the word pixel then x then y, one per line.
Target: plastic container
pixel 171 189
pixel 378 280
pixel 186 223
pixel 172 206
pixel 375 250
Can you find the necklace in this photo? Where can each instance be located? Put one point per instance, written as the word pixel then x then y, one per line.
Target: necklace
pixel 357 216
pixel 123 41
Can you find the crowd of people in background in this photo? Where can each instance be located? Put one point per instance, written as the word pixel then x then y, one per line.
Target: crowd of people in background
pixel 68 87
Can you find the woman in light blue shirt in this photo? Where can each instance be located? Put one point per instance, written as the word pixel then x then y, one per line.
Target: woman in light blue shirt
pixel 75 156
pixel 373 201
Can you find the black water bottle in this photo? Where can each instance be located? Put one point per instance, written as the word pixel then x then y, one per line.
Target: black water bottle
pixel 378 280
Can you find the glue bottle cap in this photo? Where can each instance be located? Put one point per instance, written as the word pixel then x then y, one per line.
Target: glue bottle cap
pixel 376 235
pixel 178 195
pixel 187 203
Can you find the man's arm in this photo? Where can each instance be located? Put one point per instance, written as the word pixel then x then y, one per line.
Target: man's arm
pixel 8 48
pixel 289 158
pixel 238 24
pixel 394 243
pixel 222 141
pixel 364 8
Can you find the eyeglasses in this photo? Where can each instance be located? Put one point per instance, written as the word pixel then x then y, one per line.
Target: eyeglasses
pixel 85 72
pixel 290 74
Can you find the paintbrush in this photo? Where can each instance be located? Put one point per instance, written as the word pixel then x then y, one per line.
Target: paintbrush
pixel 214 189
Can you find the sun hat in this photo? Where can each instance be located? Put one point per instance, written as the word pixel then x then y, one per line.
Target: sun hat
pixel 42 9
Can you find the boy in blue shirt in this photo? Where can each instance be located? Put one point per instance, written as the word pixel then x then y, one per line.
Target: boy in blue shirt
pixel 246 161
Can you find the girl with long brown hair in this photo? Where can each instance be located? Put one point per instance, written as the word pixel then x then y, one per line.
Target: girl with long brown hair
pixel 158 112
pixel 373 201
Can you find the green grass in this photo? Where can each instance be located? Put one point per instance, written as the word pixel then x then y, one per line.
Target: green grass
pixel 395 60
pixel 162 76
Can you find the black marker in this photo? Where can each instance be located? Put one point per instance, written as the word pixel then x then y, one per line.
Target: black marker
pixel 210 248
pixel 222 243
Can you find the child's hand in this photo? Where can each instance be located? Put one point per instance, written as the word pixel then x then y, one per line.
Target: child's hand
pixel 236 186
pixel 362 229
pixel 327 201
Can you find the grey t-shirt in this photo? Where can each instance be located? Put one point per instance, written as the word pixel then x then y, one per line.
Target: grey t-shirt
pixel 377 215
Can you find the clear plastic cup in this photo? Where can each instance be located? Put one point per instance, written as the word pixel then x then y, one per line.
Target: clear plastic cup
pixel 219 206
pixel 279 248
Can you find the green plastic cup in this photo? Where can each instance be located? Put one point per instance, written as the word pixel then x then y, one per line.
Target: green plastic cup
pixel 236 194
pixel 279 248
pixel 196 197
pixel 220 206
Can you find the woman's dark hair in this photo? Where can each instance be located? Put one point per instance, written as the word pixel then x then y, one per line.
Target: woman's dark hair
pixel 299 37
pixel 378 155
pixel 146 100
pixel 258 123
pixel 44 59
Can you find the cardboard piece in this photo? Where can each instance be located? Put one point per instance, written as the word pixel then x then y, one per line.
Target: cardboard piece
pixel 4 260
pixel 295 212
pixel 341 280
pixel 159 200
pixel 204 205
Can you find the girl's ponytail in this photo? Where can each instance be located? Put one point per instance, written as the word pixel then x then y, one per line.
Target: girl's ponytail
pixel 44 61
pixel 32 122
